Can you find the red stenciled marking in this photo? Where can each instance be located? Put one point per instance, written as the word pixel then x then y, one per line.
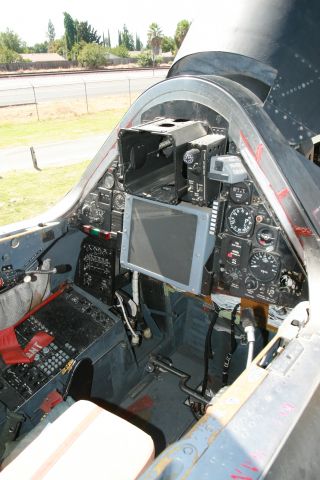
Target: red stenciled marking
pixel 282 194
pixel 302 231
pixel 240 477
pixel 286 409
pixel 246 142
pixel 256 154
pixel 259 152
pixel 248 465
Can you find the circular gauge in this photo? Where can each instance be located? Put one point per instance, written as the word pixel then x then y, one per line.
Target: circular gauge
pixel 264 266
pixel 240 192
pixel 118 201
pixel 251 283
pixel 108 180
pixel 240 220
pixel 266 237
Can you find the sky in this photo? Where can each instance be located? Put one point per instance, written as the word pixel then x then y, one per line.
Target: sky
pixel 29 19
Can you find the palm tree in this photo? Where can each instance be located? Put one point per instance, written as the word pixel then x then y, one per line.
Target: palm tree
pixel 155 38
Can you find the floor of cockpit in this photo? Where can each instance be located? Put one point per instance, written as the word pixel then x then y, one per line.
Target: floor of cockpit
pixel 158 406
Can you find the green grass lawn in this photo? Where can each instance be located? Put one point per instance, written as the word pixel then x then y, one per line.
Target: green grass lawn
pixel 25 194
pixel 28 133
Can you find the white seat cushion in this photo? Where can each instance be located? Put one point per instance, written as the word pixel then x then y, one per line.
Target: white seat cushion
pixel 85 442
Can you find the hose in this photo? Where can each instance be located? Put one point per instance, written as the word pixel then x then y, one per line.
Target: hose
pixel 250 353
pixel 135 337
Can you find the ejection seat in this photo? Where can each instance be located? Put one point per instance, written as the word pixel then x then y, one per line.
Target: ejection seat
pixel 84 442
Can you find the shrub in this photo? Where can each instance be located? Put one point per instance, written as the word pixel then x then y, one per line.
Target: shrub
pixel 120 51
pixel 92 55
pixel 9 56
pixel 145 59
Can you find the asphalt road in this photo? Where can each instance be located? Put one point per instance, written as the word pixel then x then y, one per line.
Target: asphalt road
pixel 22 90
pixel 51 154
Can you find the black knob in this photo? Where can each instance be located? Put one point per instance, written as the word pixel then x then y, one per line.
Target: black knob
pixel 251 283
pixel 196 168
pixel 191 156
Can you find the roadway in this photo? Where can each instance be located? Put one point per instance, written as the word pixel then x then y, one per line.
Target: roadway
pixel 22 90
pixel 53 154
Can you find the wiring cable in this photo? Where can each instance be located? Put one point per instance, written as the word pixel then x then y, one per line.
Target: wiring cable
pixel 233 346
pixel 208 354
pixel 135 337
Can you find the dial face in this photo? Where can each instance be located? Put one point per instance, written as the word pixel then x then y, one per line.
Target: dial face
pixel 108 180
pixel 118 201
pixel 240 192
pixel 264 266
pixel 240 220
pixel 266 237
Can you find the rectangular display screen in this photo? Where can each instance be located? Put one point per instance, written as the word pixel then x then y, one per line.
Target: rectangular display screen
pixel 162 240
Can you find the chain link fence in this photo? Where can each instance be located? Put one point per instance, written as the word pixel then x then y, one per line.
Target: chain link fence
pixel 39 102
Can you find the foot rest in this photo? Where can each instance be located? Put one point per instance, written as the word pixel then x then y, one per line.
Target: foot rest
pixel 85 442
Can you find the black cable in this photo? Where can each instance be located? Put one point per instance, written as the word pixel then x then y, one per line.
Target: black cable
pixel 208 354
pixel 233 346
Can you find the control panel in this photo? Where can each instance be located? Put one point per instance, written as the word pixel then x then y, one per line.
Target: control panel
pixel 202 190
pixel 98 270
pixel 74 323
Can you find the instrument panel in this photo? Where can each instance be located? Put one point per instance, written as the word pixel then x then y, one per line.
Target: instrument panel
pixel 251 256
pixel 103 207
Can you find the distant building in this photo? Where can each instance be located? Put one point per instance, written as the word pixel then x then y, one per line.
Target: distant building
pixel 43 57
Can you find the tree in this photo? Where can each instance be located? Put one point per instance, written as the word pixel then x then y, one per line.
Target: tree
pixel 51 33
pixel 155 38
pixel 181 31
pixel 126 38
pixel 139 44
pixel 11 41
pixel 86 33
pixel 58 46
pixel 39 48
pixel 106 40
pixel 9 56
pixel 92 55
pixel 76 49
pixel 168 44
pixel 70 31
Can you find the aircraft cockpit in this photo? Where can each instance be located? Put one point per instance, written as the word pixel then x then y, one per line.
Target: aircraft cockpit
pixel 176 286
